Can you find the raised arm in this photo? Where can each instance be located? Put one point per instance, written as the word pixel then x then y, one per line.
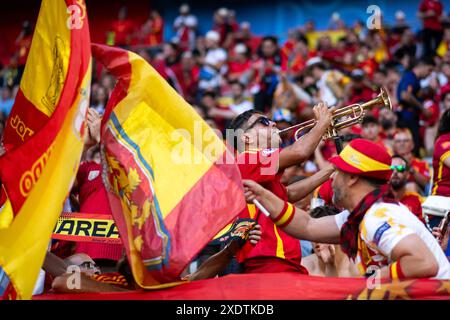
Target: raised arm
pixel 304 147
pixel 302 226
pixel 412 259
pixel 299 190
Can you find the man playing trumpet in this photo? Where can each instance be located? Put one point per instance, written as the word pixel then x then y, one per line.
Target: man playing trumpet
pixel 256 139
pixel 375 230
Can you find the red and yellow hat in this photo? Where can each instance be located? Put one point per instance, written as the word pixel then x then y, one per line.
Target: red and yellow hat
pixel 365 158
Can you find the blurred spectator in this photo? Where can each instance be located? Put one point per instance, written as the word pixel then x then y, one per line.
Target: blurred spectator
pixel 285 96
pixel 6 102
pixel 330 83
pixel 238 105
pixel 359 89
pixel 121 30
pixel 23 44
pixel 399 179
pixel 93 198
pixel 371 130
pixel 420 172
pixel 152 30
pixel 214 62
pixel 183 21
pixel 441 157
pixel 429 120
pixel 336 23
pixel 244 35
pixel 239 64
pixel 223 26
pixel 388 120
pixel 430 11
pixel 400 21
pixel 445 99
pixel 283 118
pixel 189 78
pixel 445 43
pixel 265 72
pixel 411 103
pixel 100 98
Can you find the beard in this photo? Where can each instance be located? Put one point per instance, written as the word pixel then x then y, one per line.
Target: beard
pixel 337 197
pixel 397 184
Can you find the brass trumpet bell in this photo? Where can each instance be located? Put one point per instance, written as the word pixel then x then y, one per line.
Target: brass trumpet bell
pixel 344 117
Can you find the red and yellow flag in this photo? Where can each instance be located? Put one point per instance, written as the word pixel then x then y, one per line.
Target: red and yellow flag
pixel 44 140
pixel 172 182
pixel 58 59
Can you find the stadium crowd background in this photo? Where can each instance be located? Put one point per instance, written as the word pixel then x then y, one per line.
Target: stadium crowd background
pixel 229 69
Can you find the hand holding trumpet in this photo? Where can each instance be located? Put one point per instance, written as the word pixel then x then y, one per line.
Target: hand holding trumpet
pixel 323 115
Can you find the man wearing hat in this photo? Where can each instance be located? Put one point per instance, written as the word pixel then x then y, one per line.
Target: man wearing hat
pixel 375 230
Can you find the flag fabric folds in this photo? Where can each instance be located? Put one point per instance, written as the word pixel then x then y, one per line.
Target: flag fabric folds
pixel 282 286
pixel 172 182
pixel 56 64
pixel 44 140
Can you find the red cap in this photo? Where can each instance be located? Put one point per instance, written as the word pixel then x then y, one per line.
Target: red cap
pixel 365 158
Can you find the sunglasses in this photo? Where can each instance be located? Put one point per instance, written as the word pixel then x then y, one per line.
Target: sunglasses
pixel 399 168
pixel 263 120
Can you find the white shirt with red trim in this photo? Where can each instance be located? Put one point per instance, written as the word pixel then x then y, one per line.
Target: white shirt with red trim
pixel 382 228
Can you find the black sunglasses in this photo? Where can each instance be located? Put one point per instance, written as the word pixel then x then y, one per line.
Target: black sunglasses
pixel 263 120
pixel 399 168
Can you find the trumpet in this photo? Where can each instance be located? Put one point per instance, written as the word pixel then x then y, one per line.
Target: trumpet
pixel 344 117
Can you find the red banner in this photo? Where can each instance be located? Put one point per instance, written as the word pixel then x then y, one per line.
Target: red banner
pixel 279 286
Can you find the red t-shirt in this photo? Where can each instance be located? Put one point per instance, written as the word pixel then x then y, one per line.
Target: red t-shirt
pixel 412 201
pixel 94 199
pixel 441 176
pixel 433 107
pixel 262 166
pixel 235 67
pixel 432 22
pixel 122 30
pixel 421 166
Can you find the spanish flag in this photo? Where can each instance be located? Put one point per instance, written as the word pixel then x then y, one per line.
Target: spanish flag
pixel 39 170
pixel 58 59
pixel 172 182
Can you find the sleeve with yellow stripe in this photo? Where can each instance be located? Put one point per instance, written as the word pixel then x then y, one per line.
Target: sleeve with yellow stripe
pixel 286 215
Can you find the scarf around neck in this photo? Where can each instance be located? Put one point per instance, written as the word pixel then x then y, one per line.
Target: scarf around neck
pixel 350 229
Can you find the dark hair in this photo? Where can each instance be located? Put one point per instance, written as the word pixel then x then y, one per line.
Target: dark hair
pixel 444 124
pixel 402 158
pixel 422 61
pixel 272 39
pixel 427 93
pixel 210 94
pixel 124 268
pixel 369 119
pixel 302 38
pixel 323 211
pixel 376 183
pixel 238 123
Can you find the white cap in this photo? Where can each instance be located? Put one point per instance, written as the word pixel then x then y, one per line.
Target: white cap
pixel 399 15
pixel 313 60
pixel 240 48
pixel 223 12
pixel 213 35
